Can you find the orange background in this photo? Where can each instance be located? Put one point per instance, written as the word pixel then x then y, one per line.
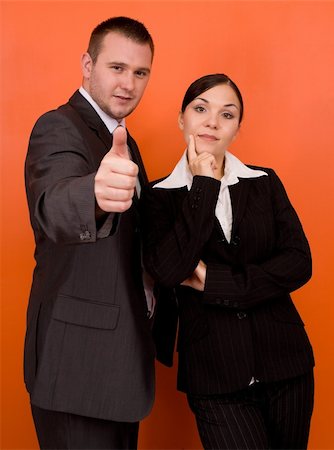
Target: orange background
pixel 280 53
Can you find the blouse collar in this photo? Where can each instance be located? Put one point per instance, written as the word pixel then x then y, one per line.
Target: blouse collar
pixel 234 169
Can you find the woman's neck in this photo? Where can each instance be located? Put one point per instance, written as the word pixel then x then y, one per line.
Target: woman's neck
pixel 219 172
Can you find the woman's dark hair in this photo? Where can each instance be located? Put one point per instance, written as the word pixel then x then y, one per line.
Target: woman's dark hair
pixel 207 82
pixel 126 26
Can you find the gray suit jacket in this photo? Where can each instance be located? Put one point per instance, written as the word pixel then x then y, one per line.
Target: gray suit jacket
pixel 88 347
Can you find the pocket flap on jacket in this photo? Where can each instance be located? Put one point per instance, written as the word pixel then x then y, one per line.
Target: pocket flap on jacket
pixel 86 313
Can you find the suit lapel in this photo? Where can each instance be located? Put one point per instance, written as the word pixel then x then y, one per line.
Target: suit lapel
pixel 136 157
pixel 239 195
pixel 91 118
pixel 94 122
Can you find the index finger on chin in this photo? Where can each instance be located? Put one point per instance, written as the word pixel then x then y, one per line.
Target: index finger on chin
pixel 191 150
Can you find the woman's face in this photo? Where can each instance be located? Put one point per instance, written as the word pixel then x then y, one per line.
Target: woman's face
pixel 213 119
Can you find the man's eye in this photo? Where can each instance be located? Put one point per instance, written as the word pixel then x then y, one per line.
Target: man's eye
pixel 141 74
pixel 117 68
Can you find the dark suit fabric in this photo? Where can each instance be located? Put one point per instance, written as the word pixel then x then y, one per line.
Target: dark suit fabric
pixel 88 348
pixel 244 324
pixel 58 430
pixel 263 416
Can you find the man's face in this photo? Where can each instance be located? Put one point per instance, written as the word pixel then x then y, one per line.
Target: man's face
pixel 119 76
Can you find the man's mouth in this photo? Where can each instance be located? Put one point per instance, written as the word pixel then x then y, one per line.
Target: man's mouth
pixel 123 97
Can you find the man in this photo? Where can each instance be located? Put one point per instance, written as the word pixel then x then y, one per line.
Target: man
pixel 89 357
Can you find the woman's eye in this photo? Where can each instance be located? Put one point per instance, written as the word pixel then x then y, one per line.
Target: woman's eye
pixel 228 115
pixel 199 108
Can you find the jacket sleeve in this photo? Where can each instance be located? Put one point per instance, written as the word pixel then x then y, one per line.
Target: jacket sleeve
pixel 285 270
pixel 60 181
pixel 173 239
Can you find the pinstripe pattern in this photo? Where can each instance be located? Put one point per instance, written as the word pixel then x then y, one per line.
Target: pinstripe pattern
pixel 275 416
pixel 244 324
pixel 60 430
pixel 87 312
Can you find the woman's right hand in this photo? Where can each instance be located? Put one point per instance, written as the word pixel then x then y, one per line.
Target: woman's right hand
pixel 200 164
pixel 197 279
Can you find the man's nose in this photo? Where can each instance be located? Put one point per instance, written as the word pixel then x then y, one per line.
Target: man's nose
pixel 128 81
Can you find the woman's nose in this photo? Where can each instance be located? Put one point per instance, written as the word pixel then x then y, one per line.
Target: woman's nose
pixel 212 121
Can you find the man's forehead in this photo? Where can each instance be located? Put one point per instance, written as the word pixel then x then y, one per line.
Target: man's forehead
pixel 114 40
pixel 116 47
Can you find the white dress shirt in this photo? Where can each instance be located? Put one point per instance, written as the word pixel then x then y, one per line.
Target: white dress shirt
pixel 109 122
pixel 234 169
pixel 112 124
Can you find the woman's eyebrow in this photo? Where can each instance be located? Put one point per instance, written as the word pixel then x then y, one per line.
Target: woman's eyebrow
pixel 203 99
pixel 231 104
pixel 207 101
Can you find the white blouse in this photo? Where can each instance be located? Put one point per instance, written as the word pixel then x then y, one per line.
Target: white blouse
pixel 234 169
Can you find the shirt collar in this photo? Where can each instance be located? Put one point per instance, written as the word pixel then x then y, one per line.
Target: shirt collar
pixel 109 122
pixel 234 169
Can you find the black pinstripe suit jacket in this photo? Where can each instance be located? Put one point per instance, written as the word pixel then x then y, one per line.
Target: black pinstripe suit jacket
pixel 244 324
pixel 88 348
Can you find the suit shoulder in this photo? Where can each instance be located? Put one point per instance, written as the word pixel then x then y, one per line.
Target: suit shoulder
pixel 264 169
pixel 269 171
pixel 57 114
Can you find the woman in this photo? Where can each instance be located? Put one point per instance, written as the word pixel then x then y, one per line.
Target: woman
pixel 226 240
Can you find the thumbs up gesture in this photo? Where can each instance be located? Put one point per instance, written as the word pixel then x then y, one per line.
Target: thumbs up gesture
pixel 115 179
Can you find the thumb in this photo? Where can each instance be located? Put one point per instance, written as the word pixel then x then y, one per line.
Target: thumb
pixel 119 146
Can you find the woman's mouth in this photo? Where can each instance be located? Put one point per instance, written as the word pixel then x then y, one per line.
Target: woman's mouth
pixel 208 137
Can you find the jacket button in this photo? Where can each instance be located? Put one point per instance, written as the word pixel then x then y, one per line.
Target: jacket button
pixel 85 235
pixel 218 301
pixel 241 315
pixel 226 302
pixel 235 241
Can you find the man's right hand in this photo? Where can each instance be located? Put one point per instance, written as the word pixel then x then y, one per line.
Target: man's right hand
pixel 115 179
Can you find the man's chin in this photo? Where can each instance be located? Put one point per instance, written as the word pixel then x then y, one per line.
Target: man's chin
pixel 119 114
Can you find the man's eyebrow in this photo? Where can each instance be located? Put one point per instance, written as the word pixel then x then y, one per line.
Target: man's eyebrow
pixel 117 63
pixel 143 69
pixel 122 64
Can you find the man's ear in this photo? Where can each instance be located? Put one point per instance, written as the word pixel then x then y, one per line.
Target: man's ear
pixel 86 65
pixel 180 120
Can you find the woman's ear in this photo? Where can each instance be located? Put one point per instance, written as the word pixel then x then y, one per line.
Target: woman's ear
pixel 180 120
